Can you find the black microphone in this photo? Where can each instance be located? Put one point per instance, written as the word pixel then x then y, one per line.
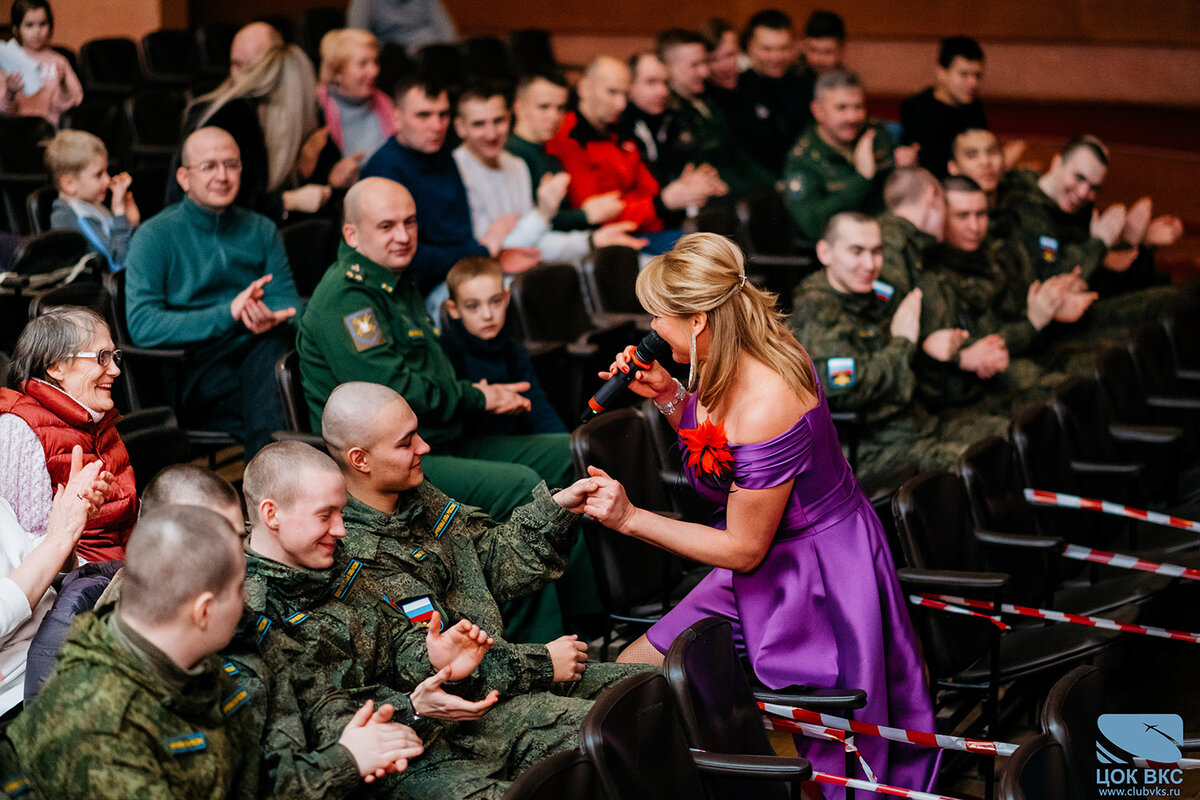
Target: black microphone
pixel 650 349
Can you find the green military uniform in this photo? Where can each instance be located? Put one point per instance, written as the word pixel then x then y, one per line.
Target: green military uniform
pixel 354 640
pixel 983 292
pixel 905 249
pixel 819 181
pixel 290 766
pixel 864 368
pixel 118 719
pixel 540 164
pixel 704 137
pixel 433 553
pixel 364 323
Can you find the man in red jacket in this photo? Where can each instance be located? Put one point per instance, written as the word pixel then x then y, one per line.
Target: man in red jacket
pixel 598 161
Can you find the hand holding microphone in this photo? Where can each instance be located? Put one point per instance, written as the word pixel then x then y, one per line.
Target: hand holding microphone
pixel 635 368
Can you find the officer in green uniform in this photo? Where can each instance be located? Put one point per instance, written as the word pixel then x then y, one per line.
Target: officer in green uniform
pixel 862 337
pixel 138 705
pixel 430 552
pixel 367 322
pixel 704 136
pixel 360 641
pixel 841 161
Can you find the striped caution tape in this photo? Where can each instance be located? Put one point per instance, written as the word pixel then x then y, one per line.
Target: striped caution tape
pixel 929 602
pixel 819 732
pixel 881 788
pixel 1080 553
pixel 940 740
pixel 1044 498
pixel 1076 619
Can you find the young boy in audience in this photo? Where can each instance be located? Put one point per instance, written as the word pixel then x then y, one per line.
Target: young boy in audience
pixel 482 347
pixel 79 163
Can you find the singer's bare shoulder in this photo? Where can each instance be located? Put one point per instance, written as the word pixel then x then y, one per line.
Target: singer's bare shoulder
pixel 761 405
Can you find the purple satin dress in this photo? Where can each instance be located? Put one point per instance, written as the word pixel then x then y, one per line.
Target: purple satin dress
pixel 824 608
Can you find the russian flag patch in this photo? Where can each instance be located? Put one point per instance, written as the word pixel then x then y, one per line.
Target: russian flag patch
pixel 883 291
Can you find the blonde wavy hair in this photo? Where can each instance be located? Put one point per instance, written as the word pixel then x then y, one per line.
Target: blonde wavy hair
pixel 705 272
pixel 285 85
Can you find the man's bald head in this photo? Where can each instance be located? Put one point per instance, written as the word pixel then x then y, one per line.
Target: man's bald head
pixel 210 169
pixel 249 45
pixel 371 432
pixel 603 91
pixel 380 221
pixel 349 416
pixel 201 138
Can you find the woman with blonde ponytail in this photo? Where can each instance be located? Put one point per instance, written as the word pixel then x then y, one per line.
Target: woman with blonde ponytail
pixel 802 566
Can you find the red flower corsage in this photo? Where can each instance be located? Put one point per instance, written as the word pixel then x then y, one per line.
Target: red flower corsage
pixel 708 452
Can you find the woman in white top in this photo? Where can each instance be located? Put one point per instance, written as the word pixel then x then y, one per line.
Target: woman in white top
pixel 29 564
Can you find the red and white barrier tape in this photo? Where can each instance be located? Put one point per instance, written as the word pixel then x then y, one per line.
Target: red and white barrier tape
pixel 941 740
pixel 1044 498
pixel 1080 553
pixel 819 732
pixel 1062 616
pixel 929 602
pixel 881 788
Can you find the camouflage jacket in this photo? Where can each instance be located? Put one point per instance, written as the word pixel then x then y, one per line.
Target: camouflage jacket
pixel 433 553
pixel 1053 241
pixel 819 181
pixel 848 336
pixel 905 250
pixel 703 136
pixel 982 292
pixel 108 725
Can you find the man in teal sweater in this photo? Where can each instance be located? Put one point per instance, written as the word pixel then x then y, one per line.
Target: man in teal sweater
pixel 213 279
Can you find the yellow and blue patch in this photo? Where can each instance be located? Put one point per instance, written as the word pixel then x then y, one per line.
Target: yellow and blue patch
pixel 230 668
pixel 842 373
pixel 416 333
pixel 297 618
pixel 187 743
pixel 16 786
pixel 235 701
pixel 445 519
pixel 1049 247
pixel 352 570
pixel 263 626
pixel 419 554
pixel 364 329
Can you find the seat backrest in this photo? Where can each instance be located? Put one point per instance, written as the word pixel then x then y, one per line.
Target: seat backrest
pixel 215 40
pixel 566 774
pixel 532 50
pixel 488 58
pixel 612 274
pixel 1150 348
pixel 48 256
pixel 23 144
pixel 989 473
pixel 1121 393
pixel 714 218
pixel 1083 421
pixel 934 527
pixel 315 23
pixel 1182 324
pixel 549 302
pixel 311 247
pixel 635 740
pixel 1037 770
pixel 766 224
pixel 629 572
pixel 38 205
pixel 291 392
pixel 171 52
pixel 716 705
pixel 112 62
pixel 155 117
pixel 1070 713
pixel 153 445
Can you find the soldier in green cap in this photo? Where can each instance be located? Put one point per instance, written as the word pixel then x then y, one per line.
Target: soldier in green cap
pixel 842 159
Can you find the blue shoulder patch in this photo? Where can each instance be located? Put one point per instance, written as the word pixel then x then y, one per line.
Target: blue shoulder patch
pixel 842 374
pixel 230 668
pixel 444 521
pixel 235 701
pixel 263 626
pixel 352 570
pixel 187 743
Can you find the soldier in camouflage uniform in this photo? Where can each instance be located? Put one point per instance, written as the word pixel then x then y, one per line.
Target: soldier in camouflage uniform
pixel 356 640
pixel 841 161
pixel 430 552
pixel 138 706
pixel 861 336
pixel 912 226
pixel 703 135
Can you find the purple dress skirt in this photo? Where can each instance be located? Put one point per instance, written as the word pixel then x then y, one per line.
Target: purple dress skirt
pixel 824 608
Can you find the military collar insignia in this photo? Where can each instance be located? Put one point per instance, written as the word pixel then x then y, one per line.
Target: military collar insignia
pixel 187 743
pixel 347 579
pixel 235 701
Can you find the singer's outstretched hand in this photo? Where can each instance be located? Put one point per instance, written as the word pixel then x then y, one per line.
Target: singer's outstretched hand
pixel 646 382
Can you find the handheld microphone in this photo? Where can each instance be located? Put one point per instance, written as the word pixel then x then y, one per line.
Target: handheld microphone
pixel 650 349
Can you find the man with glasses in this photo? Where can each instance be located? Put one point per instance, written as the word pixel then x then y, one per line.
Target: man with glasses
pixel 213 278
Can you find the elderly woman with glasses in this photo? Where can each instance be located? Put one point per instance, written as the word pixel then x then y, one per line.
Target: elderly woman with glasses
pixel 59 396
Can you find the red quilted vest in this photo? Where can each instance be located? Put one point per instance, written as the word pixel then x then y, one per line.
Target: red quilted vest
pixel 61 423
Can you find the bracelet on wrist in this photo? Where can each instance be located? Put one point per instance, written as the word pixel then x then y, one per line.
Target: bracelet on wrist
pixel 674 402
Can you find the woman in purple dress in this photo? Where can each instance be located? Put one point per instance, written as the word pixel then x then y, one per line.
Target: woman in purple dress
pixel 803 569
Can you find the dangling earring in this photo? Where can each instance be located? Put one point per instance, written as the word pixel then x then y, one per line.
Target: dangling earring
pixel 691 384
